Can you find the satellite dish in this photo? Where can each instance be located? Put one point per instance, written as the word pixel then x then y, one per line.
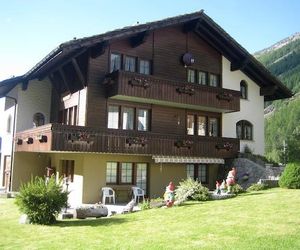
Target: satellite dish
pixel 188 59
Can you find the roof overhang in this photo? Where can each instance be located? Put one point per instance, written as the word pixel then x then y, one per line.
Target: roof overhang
pixel 178 159
pixel 197 22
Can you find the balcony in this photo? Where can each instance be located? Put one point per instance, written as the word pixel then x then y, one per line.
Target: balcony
pixel 58 137
pixel 149 89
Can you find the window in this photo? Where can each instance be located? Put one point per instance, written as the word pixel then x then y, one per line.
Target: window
pixel 244 130
pixel 128 118
pixel 38 120
pixel 126 173
pixel 213 80
pixel 68 169
pixel 129 64
pixel 145 67
pixel 115 62
pixel 202 78
pixel 132 118
pixel 190 124
pixel 190 171
pixel 202 125
pixel 141 176
pixel 8 124
pixel 113 117
pixel 191 75
pixel 197 172
pixel 143 119
pixel 68 116
pixel 244 89
pixel 213 127
pixel 111 172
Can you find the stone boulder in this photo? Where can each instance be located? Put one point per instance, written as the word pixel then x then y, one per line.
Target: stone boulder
pixel 91 211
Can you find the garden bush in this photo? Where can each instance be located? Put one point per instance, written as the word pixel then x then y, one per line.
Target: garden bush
pixel 290 177
pixel 237 189
pixel 191 190
pixel 41 201
pixel 257 187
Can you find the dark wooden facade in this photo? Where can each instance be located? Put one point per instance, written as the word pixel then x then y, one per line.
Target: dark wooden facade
pixel 165 92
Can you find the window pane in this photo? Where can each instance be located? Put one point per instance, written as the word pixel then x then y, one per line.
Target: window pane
pixel 115 62
pixel 248 132
pixel 145 67
pixel 190 124
pixel 191 76
pixel 113 117
pixel 238 131
pixel 202 173
pixel 126 173
pixel 111 172
pixel 213 127
pixel 202 78
pixel 213 80
pixel 190 171
pixel 202 125
pixel 129 64
pixel 143 119
pixel 141 176
pixel 128 118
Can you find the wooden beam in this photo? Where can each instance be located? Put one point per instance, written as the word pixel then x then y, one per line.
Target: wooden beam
pixel 25 84
pixel 53 82
pixel 64 79
pixel 270 90
pixel 239 65
pixel 78 72
pixel 98 49
pixel 59 65
pixel 138 39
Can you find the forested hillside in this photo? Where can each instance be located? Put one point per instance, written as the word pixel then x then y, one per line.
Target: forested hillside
pixel 282 126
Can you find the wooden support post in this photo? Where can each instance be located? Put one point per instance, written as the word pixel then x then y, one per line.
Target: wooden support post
pixel 78 72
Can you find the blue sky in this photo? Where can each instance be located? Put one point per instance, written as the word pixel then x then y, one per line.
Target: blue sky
pixel 31 29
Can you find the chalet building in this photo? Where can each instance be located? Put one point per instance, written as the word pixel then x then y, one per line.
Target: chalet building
pixel 138 106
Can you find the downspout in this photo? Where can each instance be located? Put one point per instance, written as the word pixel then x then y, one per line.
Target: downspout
pixel 12 142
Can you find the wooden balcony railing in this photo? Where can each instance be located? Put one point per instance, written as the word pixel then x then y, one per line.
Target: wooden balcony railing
pixel 58 137
pixel 156 90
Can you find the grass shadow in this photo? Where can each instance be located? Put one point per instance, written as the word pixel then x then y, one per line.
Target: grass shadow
pixel 252 193
pixel 90 222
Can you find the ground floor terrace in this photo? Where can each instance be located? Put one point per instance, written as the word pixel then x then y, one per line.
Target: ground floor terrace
pixel 88 172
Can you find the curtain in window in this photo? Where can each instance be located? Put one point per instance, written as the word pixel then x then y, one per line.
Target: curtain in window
pixel 190 124
pixel 202 125
pixel 143 119
pixel 128 118
pixel 113 117
pixel 141 176
pixel 213 127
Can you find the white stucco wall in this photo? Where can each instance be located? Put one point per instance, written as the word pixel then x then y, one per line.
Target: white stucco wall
pixel 251 109
pixel 36 99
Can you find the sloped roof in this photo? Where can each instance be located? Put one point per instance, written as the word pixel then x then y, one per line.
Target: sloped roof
pixel 202 25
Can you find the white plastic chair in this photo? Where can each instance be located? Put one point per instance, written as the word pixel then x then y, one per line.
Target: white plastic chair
pixel 109 193
pixel 137 193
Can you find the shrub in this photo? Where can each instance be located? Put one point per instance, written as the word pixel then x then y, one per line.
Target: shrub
pixel 237 189
pixel 257 187
pixel 192 190
pixel 290 177
pixel 41 201
pixel 145 205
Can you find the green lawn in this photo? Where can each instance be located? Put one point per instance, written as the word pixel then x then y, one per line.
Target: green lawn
pixel 260 220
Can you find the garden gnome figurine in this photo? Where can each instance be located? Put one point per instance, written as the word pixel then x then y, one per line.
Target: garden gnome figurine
pixel 169 195
pixel 218 188
pixel 230 180
pixel 223 186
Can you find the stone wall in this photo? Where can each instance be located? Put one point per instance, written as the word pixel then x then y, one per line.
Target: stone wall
pixel 249 172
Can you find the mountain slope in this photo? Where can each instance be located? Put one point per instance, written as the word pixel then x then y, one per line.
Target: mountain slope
pixel 283 60
pixel 282 119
